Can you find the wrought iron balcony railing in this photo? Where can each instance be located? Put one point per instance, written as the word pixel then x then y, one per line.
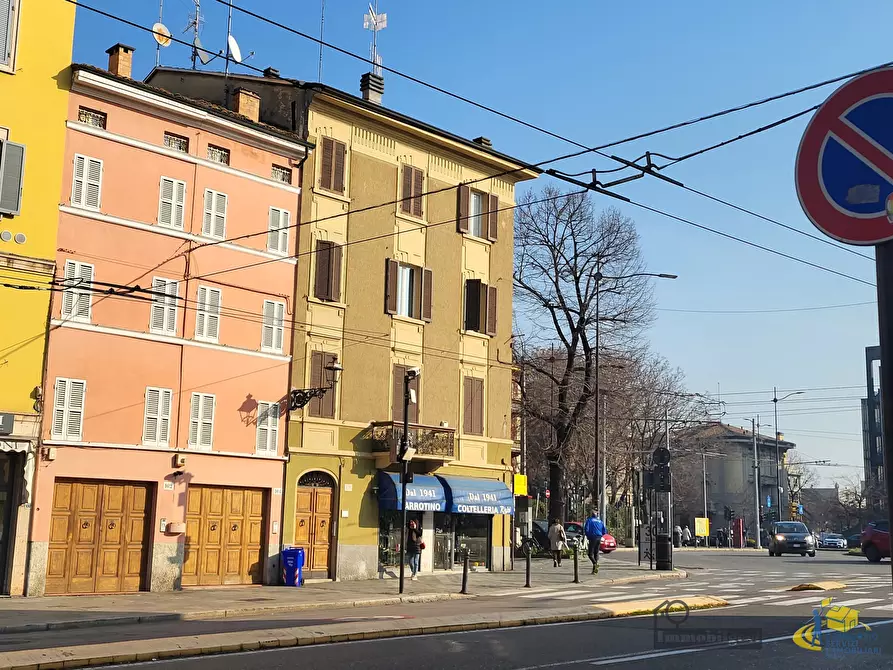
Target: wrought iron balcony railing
pixel 430 442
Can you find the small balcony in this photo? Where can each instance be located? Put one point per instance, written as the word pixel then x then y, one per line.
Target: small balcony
pixel 432 443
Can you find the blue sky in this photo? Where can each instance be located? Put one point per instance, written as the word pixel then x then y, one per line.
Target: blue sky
pixel 597 72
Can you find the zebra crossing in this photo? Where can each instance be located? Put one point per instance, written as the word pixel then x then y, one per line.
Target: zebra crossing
pixel 865 591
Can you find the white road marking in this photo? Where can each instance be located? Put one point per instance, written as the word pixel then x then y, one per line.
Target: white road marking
pixel 759 599
pixel 857 601
pixel 590 594
pixel 815 599
pixel 596 600
pixel 888 607
pixel 546 594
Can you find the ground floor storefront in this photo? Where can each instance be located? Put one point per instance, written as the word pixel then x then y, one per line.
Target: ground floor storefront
pixel 115 520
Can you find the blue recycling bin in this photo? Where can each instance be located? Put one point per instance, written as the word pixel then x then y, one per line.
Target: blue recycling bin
pixel 292 566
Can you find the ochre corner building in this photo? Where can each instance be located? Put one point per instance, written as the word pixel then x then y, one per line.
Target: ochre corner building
pixel 425 282
pixel 35 53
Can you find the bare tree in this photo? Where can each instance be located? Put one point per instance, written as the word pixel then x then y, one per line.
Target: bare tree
pixel 567 258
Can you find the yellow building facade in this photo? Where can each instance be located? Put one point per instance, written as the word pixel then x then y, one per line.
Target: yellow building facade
pixel 35 54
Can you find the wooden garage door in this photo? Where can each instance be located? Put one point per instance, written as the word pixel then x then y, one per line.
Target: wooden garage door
pixel 224 536
pixel 313 522
pixel 98 537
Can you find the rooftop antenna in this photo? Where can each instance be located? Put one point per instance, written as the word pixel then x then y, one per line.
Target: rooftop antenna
pixel 374 21
pixel 322 22
pixel 194 25
pixel 161 34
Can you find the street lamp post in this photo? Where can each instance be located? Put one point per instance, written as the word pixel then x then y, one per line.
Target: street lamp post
pixel 775 401
pixel 598 277
pixel 405 457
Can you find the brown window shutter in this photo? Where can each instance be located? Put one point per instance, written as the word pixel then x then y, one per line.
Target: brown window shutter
pixel 322 284
pixel 427 292
pixel 397 405
pixel 468 406
pixel 491 310
pixel 462 210
pixel 340 151
pixel 316 379
pixel 414 406
pixel 473 304
pixel 335 276
pixel 406 190
pixel 327 402
pixel 390 287
pixel 493 218
pixel 325 169
pixel 417 182
pixel 416 293
pixel 479 406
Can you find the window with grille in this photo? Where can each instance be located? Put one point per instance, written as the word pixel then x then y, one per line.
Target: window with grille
pixel 218 154
pixel 176 142
pixel 78 293
pixel 157 419
pixel 214 221
pixel 282 174
pixel 277 231
pixel 68 408
pixel 164 306
pixel 267 427
pixel 201 421
pixel 273 327
pixel 171 203
pixel 86 185
pixel 207 314
pixel 91 117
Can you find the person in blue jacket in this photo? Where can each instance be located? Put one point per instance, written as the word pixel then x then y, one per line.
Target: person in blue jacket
pixel 594 529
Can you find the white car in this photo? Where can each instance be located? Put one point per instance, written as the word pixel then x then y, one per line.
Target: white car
pixel 832 541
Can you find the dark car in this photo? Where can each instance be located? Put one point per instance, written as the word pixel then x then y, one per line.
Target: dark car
pixel 791 537
pixel 854 541
pixel 876 541
pixel 540 532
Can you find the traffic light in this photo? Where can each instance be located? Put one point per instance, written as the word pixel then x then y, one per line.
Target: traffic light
pixel 794 510
pixel 662 478
pixel 731 515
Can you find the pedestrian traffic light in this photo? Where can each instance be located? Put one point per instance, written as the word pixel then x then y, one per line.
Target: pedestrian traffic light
pixel 662 477
pixel 731 515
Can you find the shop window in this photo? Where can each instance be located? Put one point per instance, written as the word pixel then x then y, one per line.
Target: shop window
pixel 389 535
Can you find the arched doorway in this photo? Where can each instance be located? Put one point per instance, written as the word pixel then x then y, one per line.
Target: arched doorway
pixel 313 522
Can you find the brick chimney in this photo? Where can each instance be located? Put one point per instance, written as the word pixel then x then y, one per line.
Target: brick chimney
pixel 483 141
pixel 372 87
pixel 247 103
pixel 120 60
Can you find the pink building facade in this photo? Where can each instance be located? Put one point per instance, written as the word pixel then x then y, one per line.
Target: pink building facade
pixel 163 445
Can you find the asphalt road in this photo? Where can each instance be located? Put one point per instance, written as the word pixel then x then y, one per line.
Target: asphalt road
pixel 621 643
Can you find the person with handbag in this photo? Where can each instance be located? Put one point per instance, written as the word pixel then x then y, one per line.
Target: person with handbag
pixel 557 541
pixel 414 546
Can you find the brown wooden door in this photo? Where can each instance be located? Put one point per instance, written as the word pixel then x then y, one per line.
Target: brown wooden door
pixel 98 537
pixel 313 527
pixel 224 536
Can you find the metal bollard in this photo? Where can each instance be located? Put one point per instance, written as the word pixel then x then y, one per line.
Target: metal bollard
pixel 464 590
pixel 576 564
pixel 527 567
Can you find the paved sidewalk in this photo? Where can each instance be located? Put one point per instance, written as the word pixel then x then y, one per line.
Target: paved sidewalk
pixel 35 614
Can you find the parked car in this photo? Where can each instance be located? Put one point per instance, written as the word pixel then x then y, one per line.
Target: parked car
pixel 791 537
pixel 608 544
pixel 832 541
pixel 540 532
pixel 854 541
pixel 876 541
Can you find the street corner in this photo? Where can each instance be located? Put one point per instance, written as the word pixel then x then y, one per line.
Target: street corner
pixel 817 586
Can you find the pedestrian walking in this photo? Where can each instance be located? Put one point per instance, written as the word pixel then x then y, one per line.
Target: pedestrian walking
pixel 594 529
pixel 686 537
pixel 414 548
pixel 557 542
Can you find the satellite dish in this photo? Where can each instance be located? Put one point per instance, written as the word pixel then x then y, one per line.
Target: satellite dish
pixel 234 49
pixel 161 34
pixel 203 55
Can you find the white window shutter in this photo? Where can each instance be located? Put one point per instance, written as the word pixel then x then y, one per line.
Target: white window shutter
pixel 164 417
pixel 157 320
pixel 170 309
pixel 150 425
pixel 93 188
pixel 283 231
pixel 6 19
pixel 262 432
pixel 273 426
pixel 75 420
pixel 77 182
pixel 267 339
pixel 59 403
pixel 200 313
pixel 207 225
pixel 278 329
pixel 207 422
pixel 194 419
pixel 220 215
pixel 273 230
pixel 84 292
pixel 179 204
pixel 68 296
pixel 166 202
pixel 213 317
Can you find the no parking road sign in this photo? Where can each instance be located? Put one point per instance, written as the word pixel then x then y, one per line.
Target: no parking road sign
pixel 844 172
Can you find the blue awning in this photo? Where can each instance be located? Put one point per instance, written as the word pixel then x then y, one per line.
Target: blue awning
pixel 424 494
pixel 478 496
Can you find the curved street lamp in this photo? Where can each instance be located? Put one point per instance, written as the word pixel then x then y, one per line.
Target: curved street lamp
pixel 775 401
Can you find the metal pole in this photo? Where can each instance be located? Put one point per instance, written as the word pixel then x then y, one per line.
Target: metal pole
pixel 464 590
pixel 576 564
pixel 602 500
pixel 527 554
pixel 598 281
pixel 404 445
pixel 158 45
pixel 884 255
pixel 777 458
pixel 756 482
